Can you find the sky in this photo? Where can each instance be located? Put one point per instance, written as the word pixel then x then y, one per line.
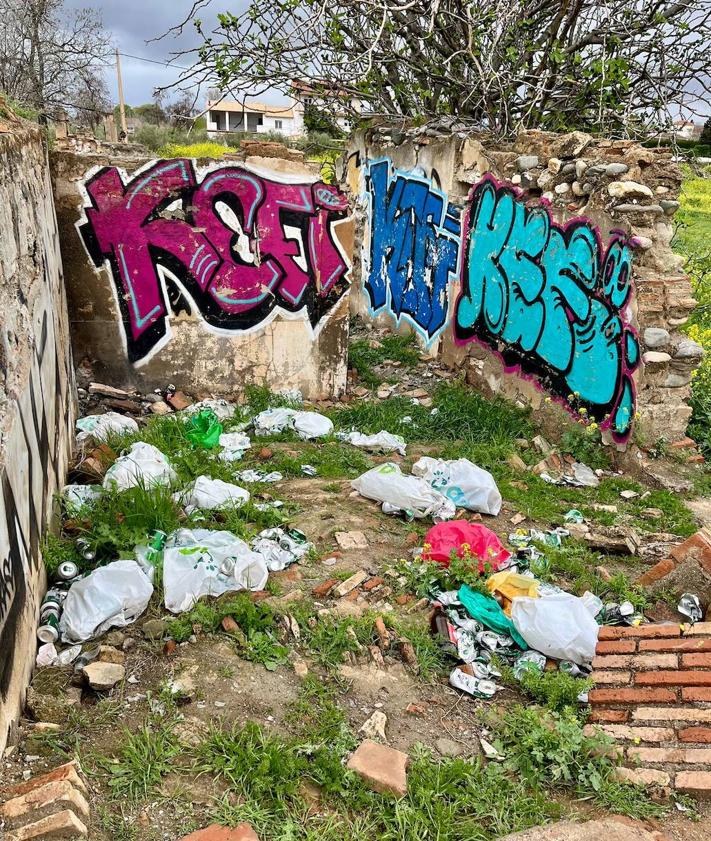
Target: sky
pixel 132 23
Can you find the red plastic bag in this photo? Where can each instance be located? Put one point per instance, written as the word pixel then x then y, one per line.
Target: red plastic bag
pixel 482 543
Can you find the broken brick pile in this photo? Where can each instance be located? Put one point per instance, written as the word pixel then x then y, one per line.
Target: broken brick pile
pixel 653 696
pixel 695 550
pixel 51 806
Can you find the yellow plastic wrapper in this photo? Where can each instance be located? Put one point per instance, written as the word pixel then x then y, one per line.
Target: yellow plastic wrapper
pixel 506 585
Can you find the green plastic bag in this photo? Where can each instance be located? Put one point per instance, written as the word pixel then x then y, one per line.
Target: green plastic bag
pixel 488 611
pixel 204 430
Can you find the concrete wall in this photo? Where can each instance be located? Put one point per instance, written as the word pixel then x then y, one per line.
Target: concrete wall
pixel 208 276
pixel 36 398
pixel 541 267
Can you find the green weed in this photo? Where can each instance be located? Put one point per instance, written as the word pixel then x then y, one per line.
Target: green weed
pixel 365 354
pixel 207 614
pixel 585 445
pixel 56 550
pixel 556 690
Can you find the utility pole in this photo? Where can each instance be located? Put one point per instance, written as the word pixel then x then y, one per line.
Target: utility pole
pixel 122 103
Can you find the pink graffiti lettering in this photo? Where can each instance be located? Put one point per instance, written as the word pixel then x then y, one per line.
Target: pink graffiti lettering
pixel 238 243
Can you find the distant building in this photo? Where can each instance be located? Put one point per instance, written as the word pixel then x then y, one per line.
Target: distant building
pixel 338 104
pixel 687 130
pixel 133 124
pixel 256 117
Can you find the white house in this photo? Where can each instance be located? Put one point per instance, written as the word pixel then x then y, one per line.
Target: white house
pixel 257 117
pixel 336 102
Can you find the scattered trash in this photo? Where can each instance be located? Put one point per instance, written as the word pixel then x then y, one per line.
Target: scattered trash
pixel 473 686
pixel 46 655
pixel 234 445
pixel 79 498
pixel 109 597
pixel 387 484
pixel 490 751
pixel 222 409
pixel 487 610
pixel 560 626
pixel 307 425
pixel 621 614
pixel 310 425
pixel 280 548
pixel 202 562
pixel 143 464
pixel 211 494
pixel 577 474
pixel 203 429
pixel 529 661
pixel 258 476
pixel 381 442
pixel 99 427
pixel 467 485
pixel 309 470
pixel 465 539
pixel 507 585
pixel 574 516
pixel 690 606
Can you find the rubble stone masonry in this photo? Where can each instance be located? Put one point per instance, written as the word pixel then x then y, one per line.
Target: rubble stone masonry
pixel 653 696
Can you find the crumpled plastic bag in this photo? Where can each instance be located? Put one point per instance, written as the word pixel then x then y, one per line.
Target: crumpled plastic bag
pixel 381 442
pixel 223 409
pixel 112 596
pixel 234 445
pixel 387 484
pixel 460 480
pixel 143 464
pixel 204 429
pixel 250 476
pixel 487 610
pixel 78 498
pixel 210 494
pixel 306 424
pixel 509 585
pixel 444 538
pixel 560 626
pixel 99 427
pixel 202 562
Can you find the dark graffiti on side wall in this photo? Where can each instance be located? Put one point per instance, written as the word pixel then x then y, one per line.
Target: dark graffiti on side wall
pixel 550 299
pixel 239 244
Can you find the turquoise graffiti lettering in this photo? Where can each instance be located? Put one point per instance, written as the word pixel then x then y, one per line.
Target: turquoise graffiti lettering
pixel 552 300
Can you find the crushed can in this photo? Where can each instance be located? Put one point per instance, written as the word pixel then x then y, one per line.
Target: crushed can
pixel 474 686
pixel 529 661
pixel 67 570
pixel 570 668
pixel 690 606
pixel 84 549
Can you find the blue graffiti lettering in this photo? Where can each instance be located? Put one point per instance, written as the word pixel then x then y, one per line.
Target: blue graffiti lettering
pixel 414 248
pixel 552 301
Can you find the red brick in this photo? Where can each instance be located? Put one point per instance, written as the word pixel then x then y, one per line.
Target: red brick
pixel 382 768
pixel 53 796
pixel 696 735
pixel 243 832
pixel 636 661
pixel 698 629
pixel 637 734
pixel 696 695
pixel 684 644
pixel 61 825
pixel 699 544
pixel 616 716
pixel 698 782
pixel 613 676
pixel 632 696
pixel 640 631
pixel 643 776
pixel 699 660
pixel 675 756
pixel 178 400
pixel 657 572
pixel 673 678
pixel 371 583
pixel 323 589
pixel 64 772
pixel 616 647
pixel 678 713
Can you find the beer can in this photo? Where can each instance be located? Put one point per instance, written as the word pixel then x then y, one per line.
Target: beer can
pixel 85 549
pixel 48 631
pixel 67 570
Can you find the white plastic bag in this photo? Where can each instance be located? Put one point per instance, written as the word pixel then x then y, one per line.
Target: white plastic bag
pixel 382 442
pixel 234 445
pixel 280 549
pixel 250 476
pixel 387 484
pixel 467 485
pixel 222 408
pixel 273 421
pixel 209 493
pixel 202 562
pixel 98 427
pixel 560 626
pixel 310 425
pixel 143 463
pixel 110 597
pixel 78 497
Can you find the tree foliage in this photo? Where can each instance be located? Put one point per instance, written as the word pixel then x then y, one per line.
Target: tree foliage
pixel 51 57
pixel 602 65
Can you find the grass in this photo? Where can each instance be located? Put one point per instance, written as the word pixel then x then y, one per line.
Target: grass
pixel 556 690
pixel 365 354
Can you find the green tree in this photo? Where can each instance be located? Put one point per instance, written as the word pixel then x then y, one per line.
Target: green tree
pixel 706 133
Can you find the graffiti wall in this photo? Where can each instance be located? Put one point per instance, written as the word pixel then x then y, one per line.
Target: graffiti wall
pixel 494 268
pixel 237 244
pixel 36 401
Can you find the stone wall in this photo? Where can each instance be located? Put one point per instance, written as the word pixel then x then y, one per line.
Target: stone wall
pixel 209 275
pixel 543 268
pixel 36 398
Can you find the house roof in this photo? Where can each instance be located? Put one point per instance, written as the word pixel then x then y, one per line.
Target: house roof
pixel 251 106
